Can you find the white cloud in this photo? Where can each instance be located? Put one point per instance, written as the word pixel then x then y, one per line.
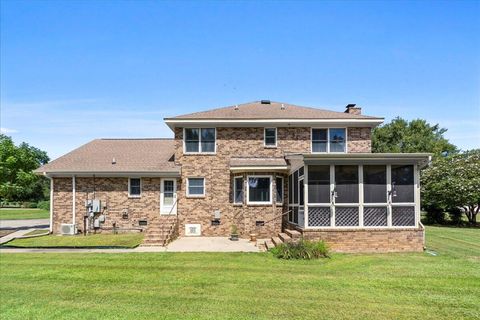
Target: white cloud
pixel 7 130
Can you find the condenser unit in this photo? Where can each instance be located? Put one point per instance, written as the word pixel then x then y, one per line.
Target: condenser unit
pixel 68 229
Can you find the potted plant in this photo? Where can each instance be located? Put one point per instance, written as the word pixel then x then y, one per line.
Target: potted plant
pixel 234 234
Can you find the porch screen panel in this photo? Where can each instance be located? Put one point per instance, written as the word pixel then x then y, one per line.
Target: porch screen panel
pixel 290 190
pixel 346 184
pixel 319 216
pixel 375 184
pixel 319 184
pixel 375 216
pixel 295 214
pixel 346 216
pixel 403 216
pixel 295 187
pixel 402 184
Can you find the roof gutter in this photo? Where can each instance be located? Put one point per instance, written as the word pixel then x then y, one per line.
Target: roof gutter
pixel 60 174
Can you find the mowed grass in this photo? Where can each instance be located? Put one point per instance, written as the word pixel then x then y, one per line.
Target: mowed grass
pixel 20 214
pixel 125 240
pixel 247 285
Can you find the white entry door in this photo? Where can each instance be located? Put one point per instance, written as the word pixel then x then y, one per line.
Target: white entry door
pixel 168 196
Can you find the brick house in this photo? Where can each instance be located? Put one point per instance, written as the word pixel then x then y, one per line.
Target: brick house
pixel 265 167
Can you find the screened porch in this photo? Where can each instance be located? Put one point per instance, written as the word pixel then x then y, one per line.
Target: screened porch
pixel 355 191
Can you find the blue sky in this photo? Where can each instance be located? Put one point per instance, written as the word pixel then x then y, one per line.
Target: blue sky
pixel 72 71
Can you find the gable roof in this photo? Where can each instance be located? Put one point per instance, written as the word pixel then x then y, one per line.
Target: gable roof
pixel 148 156
pixel 272 110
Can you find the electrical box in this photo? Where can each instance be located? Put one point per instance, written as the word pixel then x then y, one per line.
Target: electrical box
pixel 94 205
pixel 217 214
pixel 96 223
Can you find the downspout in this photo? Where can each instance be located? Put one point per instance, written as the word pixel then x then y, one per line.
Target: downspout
pixel 51 201
pixel 73 198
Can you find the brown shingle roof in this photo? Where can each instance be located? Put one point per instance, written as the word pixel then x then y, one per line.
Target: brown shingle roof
pixel 131 155
pixel 257 162
pixel 274 110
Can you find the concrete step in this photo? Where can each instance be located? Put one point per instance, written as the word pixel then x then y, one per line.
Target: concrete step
pixel 154 242
pixel 285 237
pixel 294 234
pixel 276 241
pixel 269 244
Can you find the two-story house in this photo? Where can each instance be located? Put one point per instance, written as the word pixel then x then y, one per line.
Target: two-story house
pixel 263 167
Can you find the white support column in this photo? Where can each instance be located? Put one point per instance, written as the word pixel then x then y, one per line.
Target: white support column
pixel 389 196
pixel 73 198
pixel 360 195
pixel 416 177
pixel 51 204
pixel 305 195
pixel 332 196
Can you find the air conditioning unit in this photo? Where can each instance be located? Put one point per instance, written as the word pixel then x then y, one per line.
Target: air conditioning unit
pixel 68 229
pixel 193 229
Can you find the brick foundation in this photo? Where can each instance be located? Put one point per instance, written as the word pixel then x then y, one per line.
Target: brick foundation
pixel 369 240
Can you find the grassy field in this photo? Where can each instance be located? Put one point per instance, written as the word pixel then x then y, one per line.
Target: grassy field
pixel 36 232
pixel 19 214
pixel 247 285
pixel 127 240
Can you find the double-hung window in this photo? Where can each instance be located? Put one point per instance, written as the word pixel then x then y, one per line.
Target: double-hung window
pixel 134 187
pixel 259 190
pixel 195 187
pixel 199 140
pixel 238 190
pixel 329 140
pixel 270 137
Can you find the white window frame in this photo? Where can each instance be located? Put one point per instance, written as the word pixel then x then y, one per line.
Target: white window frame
pixel 235 190
pixel 195 195
pixel 199 141
pixel 265 137
pixel 283 190
pixel 248 190
pixel 328 140
pixel 141 186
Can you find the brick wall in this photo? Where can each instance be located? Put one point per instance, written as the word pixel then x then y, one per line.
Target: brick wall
pixel 359 140
pixel 370 240
pixel 113 192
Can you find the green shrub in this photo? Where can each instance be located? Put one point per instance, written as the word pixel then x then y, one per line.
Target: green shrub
pixel 29 205
pixel 301 250
pixel 44 205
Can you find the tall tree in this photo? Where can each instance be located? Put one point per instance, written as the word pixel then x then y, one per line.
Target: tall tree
pixel 454 182
pixel 17 181
pixel 411 136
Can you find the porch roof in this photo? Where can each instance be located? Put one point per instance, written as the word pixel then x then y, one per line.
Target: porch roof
pixel 422 159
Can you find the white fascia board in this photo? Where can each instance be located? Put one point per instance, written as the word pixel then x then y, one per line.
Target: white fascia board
pixel 112 174
pixel 172 123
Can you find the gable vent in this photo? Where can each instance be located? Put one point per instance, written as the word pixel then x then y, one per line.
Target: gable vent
pixel 265 102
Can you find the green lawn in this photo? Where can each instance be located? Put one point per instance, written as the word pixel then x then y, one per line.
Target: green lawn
pixel 126 240
pixel 36 232
pixel 19 214
pixel 247 285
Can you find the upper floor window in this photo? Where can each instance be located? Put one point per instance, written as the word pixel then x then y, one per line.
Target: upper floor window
pixel 270 137
pixel 199 140
pixel 329 140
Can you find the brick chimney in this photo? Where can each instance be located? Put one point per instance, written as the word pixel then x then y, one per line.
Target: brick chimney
pixel 353 109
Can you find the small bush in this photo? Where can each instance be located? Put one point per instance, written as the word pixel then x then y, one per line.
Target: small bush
pixel 303 249
pixel 44 205
pixel 29 205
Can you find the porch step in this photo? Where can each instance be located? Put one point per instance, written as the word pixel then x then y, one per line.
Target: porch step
pixel 294 234
pixel 285 237
pixel 269 244
pixel 160 231
pixel 276 241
